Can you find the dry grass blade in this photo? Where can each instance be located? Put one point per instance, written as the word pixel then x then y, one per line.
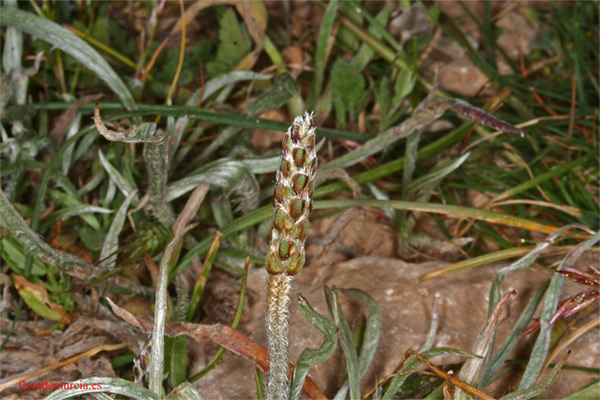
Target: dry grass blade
pixel 473 369
pixel 142 133
pixel 452 379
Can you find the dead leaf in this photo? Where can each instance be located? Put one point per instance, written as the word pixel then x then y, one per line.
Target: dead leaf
pixel 66 118
pixel 37 298
pixel 294 57
pixel 54 237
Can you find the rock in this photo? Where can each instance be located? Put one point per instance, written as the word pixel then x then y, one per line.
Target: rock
pixel 263 139
pixel 406 305
pixel 517 34
pixel 463 77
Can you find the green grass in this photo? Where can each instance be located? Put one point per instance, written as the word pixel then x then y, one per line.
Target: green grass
pixel 63 180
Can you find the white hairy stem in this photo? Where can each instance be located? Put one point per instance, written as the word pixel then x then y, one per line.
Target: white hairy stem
pixel 276 321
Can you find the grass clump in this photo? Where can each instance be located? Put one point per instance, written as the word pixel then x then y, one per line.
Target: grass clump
pixel 134 213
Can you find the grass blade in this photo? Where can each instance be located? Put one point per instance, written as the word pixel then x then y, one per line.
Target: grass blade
pixel 589 392
pixel 111 241
pixel 321 53
pixel 397 382
pixel 542 344
pixel 35 246
pixel 437 175
pixel 71 44
pixel 352 368
pixel 284 89
pixel 513 337
pixel 160 315
pixel 473 369
pixel 372 330
pixel 537 390
pixel 122 183
pixel 309 356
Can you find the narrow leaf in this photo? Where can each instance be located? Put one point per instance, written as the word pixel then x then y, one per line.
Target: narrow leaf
pixel 437 175
pixel 372 330
pixel 123 184
pixel 537 390
pixel 512 339
pixel 160 315
pixel 71 44
pixel 32 243
pixel 473 369
pixel 321 52
pixel 108 254
pixel 309 356
pixel 349 347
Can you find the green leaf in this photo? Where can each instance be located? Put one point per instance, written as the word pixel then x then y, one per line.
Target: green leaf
pixel 347 83
pixel 284 89
pixel 34 245
pixel 76 207
pixel 372 329
pixel 70 44
pixel 377 29
pixel 308 356
pixel 536 390
pixel 541 348
pixel 13 256
pixel 108 255
pixel 321 53
pixel 122 183
pixel 367 346
pixel 232 176
pixel 351 356
pixel 234 43
pixel 101 31
pixel 436 175
pixel 176 359
pixel 398 381
pixel 344 35
pixel 405 83
pixel 36 297
pixel 160 313
pixel 473 369
pixel 383 95
pixel 497 361
pixel 590 392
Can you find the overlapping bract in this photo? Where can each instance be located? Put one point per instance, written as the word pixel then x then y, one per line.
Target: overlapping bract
pixel 292 198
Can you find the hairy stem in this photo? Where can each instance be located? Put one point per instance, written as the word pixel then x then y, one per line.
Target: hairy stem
pixel 276 321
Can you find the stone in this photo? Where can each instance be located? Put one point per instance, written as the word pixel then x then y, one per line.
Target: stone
pixel 461 300
pixel 463 77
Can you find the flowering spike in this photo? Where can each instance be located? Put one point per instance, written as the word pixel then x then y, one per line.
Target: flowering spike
pixel 292 196
pixel 292 203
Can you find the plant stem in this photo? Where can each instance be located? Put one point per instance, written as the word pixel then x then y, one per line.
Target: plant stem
pixel 276 321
